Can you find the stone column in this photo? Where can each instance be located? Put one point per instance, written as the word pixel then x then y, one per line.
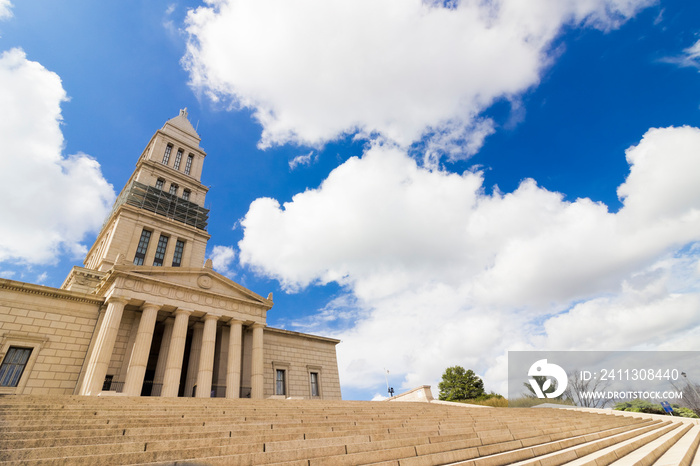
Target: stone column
pixel 173 365
pixel 206 357
pixel 141 351
pixel 233 369
pixel 193 364
pixel 162 357
pixel 133 331
pixel 256 377
pixel 104 345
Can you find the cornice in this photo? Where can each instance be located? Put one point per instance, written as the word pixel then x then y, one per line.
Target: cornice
pixel 83 276
pixel 302 335
pixel 29 288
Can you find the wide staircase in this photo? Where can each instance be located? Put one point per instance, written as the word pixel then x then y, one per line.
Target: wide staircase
pixel 118 431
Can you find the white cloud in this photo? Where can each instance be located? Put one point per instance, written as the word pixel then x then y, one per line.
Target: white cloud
pixel 222 257
pixel 689 58
pixel 5 9
pixel 437 270
pixel 168 22
pixel 400 70
pixel 303 159
pixel 51 200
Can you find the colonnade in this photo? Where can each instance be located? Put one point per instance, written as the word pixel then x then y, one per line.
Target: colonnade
pixel 172 349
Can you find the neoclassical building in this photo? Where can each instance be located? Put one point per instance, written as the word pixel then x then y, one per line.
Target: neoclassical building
pixel 147 315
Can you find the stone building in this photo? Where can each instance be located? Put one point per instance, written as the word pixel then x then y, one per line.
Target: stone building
pixel 143 317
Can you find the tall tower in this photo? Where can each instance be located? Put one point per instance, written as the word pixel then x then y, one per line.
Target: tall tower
pixel 159 218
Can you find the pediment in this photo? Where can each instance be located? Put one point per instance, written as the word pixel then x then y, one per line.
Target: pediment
pixel 200 280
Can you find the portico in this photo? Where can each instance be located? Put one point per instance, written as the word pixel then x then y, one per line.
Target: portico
pixel 164 332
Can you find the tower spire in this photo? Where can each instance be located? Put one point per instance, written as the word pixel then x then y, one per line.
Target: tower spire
pixel 159 218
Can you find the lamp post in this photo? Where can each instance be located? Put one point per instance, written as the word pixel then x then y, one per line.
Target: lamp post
pixel 389 389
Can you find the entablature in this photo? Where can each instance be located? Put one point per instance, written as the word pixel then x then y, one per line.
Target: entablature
pixel 200 290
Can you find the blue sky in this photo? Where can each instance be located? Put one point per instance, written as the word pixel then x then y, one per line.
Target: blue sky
pixel 432 185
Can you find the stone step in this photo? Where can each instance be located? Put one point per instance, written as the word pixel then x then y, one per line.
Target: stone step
pixel 85 440
pixel 649 453
pixel 354 455
pixel 236 408
pixel 617 450
pixel 432 454
pixel 682 453
pixel 556 452
pixel 581 428
pixel 123 430
pixel 230 455
pixel 553 441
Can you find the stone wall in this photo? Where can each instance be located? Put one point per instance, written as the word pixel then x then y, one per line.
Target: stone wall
pixel 422 393
pixel 57 325
pixel 299 354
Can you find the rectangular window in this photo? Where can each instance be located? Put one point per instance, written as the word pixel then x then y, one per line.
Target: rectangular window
pixel 107 384
pixel 177 257
pixel 178 159
pixel 186 195
pixel 314 383
pixel 13 366
pixel 159 183
pixel 188 164
pixel 173 189
pixel 279 386
pixel 166 156
pixel 142 248
pixel 160 250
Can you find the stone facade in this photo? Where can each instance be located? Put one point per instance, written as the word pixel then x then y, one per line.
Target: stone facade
pixel 57 325
pixel 144 318
pixel 300 356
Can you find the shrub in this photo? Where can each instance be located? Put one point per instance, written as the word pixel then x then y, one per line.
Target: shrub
pixel 643 406
pixel 491 399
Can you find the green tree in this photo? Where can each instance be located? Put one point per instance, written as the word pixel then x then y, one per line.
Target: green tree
pixel 460 384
